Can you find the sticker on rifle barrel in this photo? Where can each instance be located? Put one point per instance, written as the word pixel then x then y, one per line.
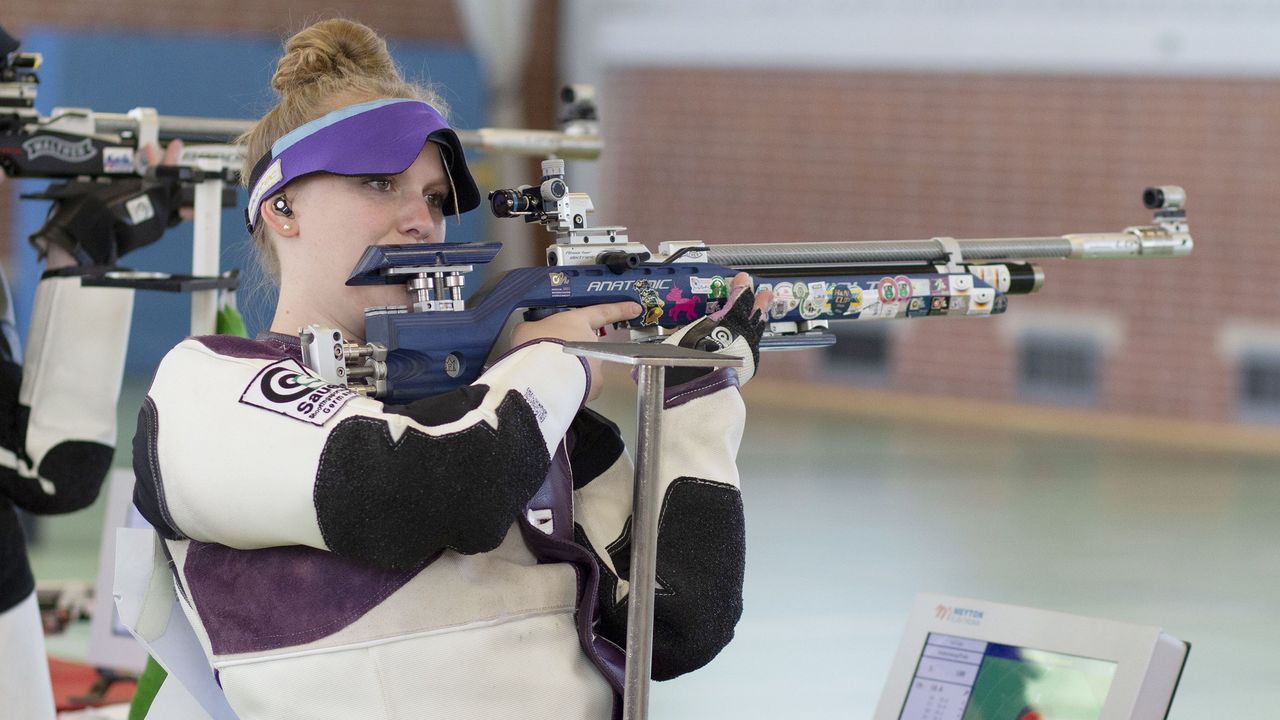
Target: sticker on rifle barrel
pixel 818 291
pixel 117 160
pixel 938 304
pixel 786 297
pixel 681 306
pixel 961 284
pixel 699 286
pixel 888 290
pixel 810 308
pixel 650 301
pixel 904 287
pixel 719 288
pixel 284 387
pixel 841 299
pixel 560 286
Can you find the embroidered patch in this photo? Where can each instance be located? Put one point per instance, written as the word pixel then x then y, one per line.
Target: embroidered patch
pixel 539 411
pixel 285 387
pixel 270 177
pixel 140 209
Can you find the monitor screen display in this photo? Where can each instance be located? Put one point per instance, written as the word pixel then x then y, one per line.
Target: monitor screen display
pixel 965 679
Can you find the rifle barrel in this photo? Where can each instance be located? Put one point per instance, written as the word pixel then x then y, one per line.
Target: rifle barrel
pixel 1131 243
pixel 499 140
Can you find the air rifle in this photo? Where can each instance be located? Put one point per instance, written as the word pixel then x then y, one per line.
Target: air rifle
pixel 438 340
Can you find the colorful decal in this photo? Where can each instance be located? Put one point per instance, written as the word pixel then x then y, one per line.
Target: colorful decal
pixel 938 305
pixel 841 299
pixel 941 286
pixel 117 160
pixel 719 288
pixel 560 286
pixel 1000 305
pixel 919 287
pixel 810 308
pixel 784 299
pixel 681 305
pixel 961 284
pixel 960 304
pixel 888 290
pixel 699 286
pixel 918 307
pixel 650 301
pixel 818 291
pixel 904 287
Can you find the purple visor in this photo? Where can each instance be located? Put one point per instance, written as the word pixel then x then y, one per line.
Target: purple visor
pixel 382 137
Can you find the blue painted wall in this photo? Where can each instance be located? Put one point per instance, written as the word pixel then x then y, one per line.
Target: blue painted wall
pixel 204 76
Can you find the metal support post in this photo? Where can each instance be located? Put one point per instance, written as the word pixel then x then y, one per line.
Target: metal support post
pixel 651 359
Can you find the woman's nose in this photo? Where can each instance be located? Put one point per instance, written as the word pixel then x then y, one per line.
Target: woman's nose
pixel 420 222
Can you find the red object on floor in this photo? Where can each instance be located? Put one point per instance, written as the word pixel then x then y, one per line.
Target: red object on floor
pixel 73 681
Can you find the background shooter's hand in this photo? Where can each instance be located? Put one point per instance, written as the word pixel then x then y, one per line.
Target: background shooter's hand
pixel 94 223
pixel 578 325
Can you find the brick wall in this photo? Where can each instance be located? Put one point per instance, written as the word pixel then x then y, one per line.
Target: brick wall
pixel 739 155
pixel 416 20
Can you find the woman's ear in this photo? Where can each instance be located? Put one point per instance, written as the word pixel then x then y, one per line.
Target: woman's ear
pixel 282 225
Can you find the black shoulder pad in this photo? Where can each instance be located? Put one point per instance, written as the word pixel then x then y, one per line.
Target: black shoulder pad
pixel 442 409
pixel 148 490
pixel 596 446
pixel 397 502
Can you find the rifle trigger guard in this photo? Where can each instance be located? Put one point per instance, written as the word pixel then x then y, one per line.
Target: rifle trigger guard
pixel 955 258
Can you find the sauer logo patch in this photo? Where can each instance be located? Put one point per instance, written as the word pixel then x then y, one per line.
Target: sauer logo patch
pixel 285 387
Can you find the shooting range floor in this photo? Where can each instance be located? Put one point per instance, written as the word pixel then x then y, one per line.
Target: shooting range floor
pixel 848 516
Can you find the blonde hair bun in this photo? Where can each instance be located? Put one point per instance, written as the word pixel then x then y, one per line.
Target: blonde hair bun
pixel 333 50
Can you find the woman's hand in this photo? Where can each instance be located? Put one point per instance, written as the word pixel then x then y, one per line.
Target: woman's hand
pixel 735 328
pixel 578 325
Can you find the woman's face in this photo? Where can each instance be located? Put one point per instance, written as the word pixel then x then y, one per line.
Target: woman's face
pixel 338 217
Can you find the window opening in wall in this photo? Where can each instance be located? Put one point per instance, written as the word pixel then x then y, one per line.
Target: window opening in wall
pixel 861 352
pixel 1062 369
pixel 1259 387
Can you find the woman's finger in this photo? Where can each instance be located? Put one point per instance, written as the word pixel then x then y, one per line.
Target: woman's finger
pixel 598 316
pixel 172 152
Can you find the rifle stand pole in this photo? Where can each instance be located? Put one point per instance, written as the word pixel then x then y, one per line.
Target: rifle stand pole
pixel 205 247
pixel 651 361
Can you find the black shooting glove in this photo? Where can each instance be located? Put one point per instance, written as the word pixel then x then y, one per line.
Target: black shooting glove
pixel 735 329
pixel 99 222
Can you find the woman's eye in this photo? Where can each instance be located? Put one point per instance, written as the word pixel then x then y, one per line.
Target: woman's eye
pixel 379 184
pixel 435 200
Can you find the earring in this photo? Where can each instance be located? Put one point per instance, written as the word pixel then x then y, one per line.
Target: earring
pixel 284 226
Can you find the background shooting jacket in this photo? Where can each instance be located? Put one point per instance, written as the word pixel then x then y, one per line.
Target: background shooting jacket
pixel 57 410
pixel 463 556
